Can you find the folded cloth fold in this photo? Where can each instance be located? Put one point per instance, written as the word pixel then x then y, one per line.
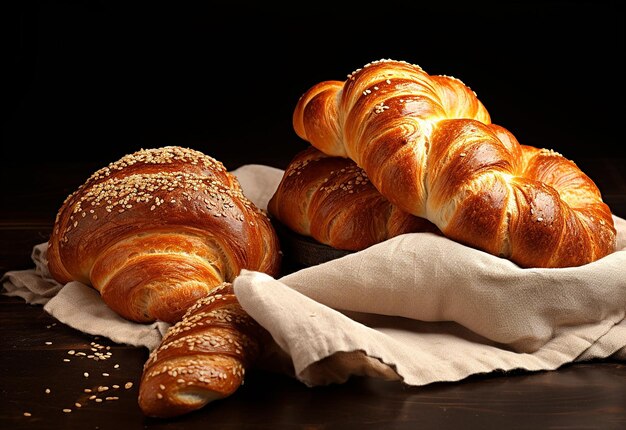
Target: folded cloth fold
pixel 77 305
pixel 419 308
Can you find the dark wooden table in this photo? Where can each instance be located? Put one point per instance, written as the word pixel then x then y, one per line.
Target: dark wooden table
pixel 37 379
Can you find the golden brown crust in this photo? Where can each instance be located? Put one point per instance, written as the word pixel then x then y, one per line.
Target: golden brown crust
pixel 428 145
pixel 332 200
pixel 201 358
pixel 156 230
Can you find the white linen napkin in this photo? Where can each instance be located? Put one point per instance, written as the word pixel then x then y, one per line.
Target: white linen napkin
pixel 419 308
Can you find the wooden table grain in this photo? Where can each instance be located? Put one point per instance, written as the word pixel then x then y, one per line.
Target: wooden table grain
pixel 55 377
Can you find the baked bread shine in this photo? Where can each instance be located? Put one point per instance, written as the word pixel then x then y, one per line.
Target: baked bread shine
pixel 331 200
pixel 161 233
pixel 157 230
pixel 202 358
pixel 428 145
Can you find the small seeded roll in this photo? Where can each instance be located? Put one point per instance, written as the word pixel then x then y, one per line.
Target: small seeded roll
pixel 202 358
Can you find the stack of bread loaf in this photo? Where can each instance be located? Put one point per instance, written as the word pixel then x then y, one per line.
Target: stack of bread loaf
pixel 162 233
pixel 427 145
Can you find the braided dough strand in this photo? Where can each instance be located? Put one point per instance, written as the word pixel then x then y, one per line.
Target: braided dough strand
pixel 428 145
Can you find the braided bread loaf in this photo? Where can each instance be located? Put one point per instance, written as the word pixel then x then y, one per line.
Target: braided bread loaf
pixel 158 229
pixel 331 200
pixel 428 145
pixel 201 358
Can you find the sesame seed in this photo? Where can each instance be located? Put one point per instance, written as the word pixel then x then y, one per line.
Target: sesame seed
pixel 28 414
pixel 67 411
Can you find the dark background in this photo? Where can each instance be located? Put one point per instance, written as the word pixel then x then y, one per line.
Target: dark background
pixel 91 81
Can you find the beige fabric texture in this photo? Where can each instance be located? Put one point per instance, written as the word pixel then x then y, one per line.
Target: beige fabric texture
pixel 418 308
